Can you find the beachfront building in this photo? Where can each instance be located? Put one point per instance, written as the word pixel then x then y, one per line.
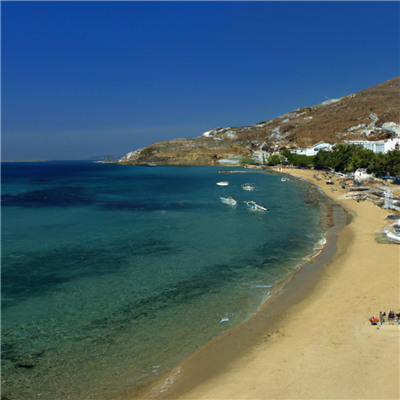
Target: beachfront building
pixel 313 150
pixel 380 146
pixel 362 175
pixel 260 156
pixel 232 160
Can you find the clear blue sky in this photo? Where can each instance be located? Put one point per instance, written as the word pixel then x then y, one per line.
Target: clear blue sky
pixel 82 79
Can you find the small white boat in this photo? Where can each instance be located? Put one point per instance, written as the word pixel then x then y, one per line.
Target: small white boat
pixel 248 186
pixel 229 200
pixel 283 179
pixel 254 206
pixel 223 183
pixel 393 235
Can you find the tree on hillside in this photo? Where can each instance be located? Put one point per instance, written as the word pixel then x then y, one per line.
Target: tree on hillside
pixel 359 158
pixel 393 162
pixel 321 160
pixel 303 161
pixel 344 158
pixel 288 155
pixel 349 158
pixel 339 158
pixel 378 165
pixel 299 160
pixel 274 160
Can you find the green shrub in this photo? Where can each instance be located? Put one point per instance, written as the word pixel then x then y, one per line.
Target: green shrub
pixel 274 160
pixel 350 157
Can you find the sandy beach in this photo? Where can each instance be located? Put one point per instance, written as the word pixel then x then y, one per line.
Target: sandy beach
pixel 318 343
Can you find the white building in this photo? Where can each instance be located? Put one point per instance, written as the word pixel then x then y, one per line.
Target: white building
pixel 313 150
pixel 362 175
pixel 390 144
pixel 380 146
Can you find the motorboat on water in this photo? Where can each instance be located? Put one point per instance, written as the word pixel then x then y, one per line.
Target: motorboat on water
pixel 229 200
pixel 254 206
pixel 248 186
pixel 223 183
pixel 283 179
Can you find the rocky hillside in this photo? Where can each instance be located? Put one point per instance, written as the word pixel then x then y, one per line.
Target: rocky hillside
pixel 372 114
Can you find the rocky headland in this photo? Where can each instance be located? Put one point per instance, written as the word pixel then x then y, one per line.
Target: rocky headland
pixel 371 114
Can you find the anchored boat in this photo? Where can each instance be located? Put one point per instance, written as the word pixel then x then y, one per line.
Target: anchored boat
pixel 224 183
pixel 229 200
pixel 254 206
pixel 248 186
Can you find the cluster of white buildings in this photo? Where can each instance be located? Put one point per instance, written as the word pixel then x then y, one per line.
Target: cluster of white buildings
pixel 380 146
pixel 313 150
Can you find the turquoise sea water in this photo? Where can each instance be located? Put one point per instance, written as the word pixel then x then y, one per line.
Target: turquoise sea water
pixel 112 275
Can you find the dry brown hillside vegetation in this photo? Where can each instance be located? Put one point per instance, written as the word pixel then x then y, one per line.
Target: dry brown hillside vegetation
pixel 356 116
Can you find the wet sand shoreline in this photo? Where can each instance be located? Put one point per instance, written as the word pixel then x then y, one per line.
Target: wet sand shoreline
pixel 215 358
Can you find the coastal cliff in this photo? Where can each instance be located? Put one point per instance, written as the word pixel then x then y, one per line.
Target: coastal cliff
pixel 371 114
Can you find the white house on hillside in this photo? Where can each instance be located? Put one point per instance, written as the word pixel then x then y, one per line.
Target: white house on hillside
pixel 380 146
pixel 313 150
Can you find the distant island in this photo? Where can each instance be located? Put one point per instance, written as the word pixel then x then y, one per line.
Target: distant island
pixel 26 160
pixel 108 158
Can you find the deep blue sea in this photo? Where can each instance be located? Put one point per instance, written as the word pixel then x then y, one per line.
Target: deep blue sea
pixel 112 275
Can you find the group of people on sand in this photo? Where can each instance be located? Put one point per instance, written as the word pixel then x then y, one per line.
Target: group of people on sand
pixel 391 317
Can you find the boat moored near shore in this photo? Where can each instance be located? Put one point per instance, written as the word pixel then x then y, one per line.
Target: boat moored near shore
pixel 392 231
